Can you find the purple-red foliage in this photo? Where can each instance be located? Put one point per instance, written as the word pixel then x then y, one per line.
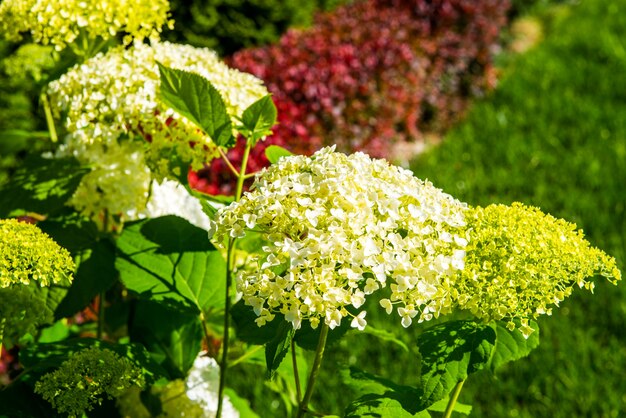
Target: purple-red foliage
pixel 375 72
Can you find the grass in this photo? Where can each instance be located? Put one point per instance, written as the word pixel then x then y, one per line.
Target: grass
pixel 553 135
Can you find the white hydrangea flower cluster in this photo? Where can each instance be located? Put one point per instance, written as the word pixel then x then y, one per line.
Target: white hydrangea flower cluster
pixel 62 22
pixel 111 101
pixel 202 385
pixel 171 198
pixel 118 183
pixel 116 94
pixel 340 228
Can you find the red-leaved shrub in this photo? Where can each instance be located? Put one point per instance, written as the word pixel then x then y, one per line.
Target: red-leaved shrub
pixel 376 72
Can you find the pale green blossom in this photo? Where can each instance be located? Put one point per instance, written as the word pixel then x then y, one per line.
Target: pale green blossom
pixel 521 262
pixel 63 22
pixel 30 264
pixel 339 228
pixel 29 256
pixel 86 378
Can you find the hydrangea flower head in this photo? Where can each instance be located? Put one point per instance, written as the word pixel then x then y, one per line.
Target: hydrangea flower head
pixel 29 256
pixel 86 378
pixel 62 22
pixel 338 229
pixel 30 263
pixel 520 262
pixel 115 94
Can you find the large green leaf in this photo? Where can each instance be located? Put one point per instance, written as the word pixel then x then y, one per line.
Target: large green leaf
pixel 94 255
pixel 41 185
pixel 511 345
pixel 171 333
pixel 169 259
pixel 258 119
pixel 194 97
pixel 382 398
pixel 450 352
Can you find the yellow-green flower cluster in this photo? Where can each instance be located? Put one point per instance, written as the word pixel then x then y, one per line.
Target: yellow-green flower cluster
pixel 29 62
pixel 63 22
pixel 520 262
pixel 340 228
pixel 28 255
pixel 116 94
pixel 30 262
pixel 86 378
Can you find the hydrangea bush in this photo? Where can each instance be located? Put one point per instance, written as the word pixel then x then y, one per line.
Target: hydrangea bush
pixel 183 286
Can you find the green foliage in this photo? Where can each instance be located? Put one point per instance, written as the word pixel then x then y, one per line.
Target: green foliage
pixel 171 334
pixel 168 259
pixel 229 25
pixel 257 120
pixel 41 185
pixel 95 259
pixel 194 97
pixel 450 352
pixel 274 152
pixel 381 397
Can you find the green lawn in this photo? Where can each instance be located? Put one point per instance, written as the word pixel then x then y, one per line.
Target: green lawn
pixel 553 135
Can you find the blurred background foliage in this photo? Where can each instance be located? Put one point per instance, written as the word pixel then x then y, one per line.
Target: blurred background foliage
pixel 230 25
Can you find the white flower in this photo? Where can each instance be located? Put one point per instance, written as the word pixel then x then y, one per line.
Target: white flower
pixel 202 386
pixel 344 226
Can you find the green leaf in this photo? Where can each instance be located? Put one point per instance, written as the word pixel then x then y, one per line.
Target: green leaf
pixel 278 347
pixel 307 337
pixel 56 332
pixel 15 140
pixel 96 274
pixel 511 345
pixel 169 259
pixel 247 330
pixel 38 359
pixel 241 405
pixel 385 335
pixel 274 153
pixel 94 255
pixel 195 98
pixel 450 352
pixel 41 185
pixel 258 119
pixel 379 397
pixel 440 406
pixel 170 332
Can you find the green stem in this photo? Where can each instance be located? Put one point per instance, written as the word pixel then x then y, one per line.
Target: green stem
pixel 226 339
pixel 295 370
pixel 242 172
pixel 230 267
pixel 49 118
pixel 100 331
pixel 319 354
pixel 1 334
pixel 246 356
pixel 453 398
